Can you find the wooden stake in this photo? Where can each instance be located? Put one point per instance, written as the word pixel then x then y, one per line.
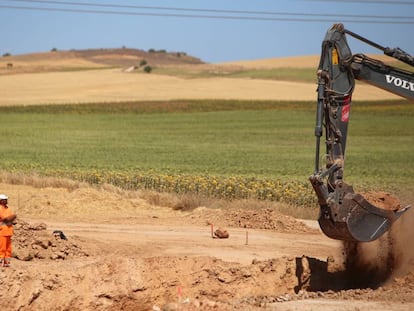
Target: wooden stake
pixel 247 237
pixel 179 293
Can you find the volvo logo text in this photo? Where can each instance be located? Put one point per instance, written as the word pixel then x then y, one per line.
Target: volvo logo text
pixel 400 82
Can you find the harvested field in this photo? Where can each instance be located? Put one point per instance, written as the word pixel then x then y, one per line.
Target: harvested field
pixel 114 85
pixel 81 77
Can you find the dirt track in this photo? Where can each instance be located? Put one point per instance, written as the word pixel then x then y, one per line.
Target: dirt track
pixel 130 255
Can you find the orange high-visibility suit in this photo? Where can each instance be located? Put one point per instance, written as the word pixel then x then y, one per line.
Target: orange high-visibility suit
pixel 6 232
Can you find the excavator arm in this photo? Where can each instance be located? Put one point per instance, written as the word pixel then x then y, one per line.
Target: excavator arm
pixel 344 214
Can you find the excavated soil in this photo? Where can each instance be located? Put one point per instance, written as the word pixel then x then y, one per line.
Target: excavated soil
pixel 97 249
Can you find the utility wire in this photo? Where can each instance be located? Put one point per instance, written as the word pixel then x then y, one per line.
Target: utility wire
pixel 209 10
pixel 368 1
pixel 216 17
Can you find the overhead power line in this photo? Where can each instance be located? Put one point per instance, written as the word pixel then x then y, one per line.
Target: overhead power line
pixel 124 6
pixel 369 1
pixel 308 17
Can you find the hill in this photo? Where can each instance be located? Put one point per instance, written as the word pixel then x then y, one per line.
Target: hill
pixel 131 57
pixel 91 59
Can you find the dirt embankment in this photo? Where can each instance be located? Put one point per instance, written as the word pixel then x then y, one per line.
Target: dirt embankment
pixel 158 259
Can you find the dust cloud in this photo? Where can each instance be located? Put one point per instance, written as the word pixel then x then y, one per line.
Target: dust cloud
pixel 373 264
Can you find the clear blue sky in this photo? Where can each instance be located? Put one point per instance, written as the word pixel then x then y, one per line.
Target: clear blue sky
pixel 213 39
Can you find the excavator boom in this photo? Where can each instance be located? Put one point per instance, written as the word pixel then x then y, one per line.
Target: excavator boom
pixel 344 214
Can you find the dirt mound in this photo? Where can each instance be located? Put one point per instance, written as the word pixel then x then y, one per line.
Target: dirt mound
pixel 33 241
pixel 382 200
pixel 267 218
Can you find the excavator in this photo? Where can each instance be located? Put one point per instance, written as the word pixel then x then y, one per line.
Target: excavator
pixel 344 214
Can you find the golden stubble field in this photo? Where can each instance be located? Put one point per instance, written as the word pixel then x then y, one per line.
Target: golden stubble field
pixel 116 85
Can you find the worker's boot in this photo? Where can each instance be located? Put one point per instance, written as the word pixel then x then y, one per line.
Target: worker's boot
pixel 6 262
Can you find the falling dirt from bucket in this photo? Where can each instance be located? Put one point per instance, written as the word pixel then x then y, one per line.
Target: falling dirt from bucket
pixel 371 264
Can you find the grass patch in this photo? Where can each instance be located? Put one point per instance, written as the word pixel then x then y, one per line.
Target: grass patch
pixel 277 74
pixel 174 106
pixel 235 142
pixel 224 149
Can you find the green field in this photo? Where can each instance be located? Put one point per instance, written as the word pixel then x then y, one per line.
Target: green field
pixel 180 146
pixel 281 74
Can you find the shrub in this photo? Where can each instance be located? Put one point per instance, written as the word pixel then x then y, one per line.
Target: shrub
pixel 157 51
pixel 148 69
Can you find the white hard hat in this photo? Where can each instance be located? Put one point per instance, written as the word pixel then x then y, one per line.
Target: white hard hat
pixel 3 197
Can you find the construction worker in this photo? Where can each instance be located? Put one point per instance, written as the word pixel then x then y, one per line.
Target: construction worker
pixel 6 231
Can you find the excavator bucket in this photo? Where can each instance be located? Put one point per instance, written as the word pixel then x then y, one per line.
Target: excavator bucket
pixel 355 219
